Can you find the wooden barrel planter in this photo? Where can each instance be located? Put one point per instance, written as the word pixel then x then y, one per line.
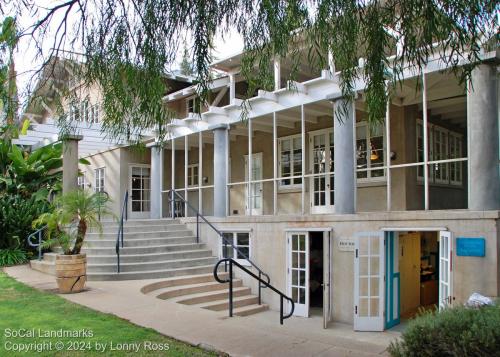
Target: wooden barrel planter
pixel 71 273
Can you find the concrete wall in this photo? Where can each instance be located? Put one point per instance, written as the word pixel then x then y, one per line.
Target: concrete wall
pixel 116 174
pixel 268 247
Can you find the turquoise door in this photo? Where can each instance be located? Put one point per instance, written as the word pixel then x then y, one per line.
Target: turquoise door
pixel 392 280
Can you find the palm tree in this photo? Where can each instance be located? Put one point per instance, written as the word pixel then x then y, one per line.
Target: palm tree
pixel 78 208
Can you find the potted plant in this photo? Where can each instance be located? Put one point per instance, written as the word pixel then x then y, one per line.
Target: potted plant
pixel 74 213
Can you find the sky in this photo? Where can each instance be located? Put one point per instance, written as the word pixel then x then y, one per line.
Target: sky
pixel 25 56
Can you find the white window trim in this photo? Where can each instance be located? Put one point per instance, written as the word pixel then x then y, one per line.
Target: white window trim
pixel 369 178
pixel 291 186
pixel 449 133
pixel 82 181
pixel 193 98
pixel 103 168
pixel 190 175
pixel 234 232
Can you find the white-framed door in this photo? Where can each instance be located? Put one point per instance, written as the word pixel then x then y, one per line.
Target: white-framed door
pixel 254 195
pixel 321 156
pixel 327 278
pixel 139 191
pixel 298 271
pixel 369 281
pixel 445 269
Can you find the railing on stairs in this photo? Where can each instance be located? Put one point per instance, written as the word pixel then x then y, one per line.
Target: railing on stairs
pixel 175 198
pixel 229 280
pixel 38 245
pixel 119 237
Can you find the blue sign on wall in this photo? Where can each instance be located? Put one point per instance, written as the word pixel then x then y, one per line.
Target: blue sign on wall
pixel 470 247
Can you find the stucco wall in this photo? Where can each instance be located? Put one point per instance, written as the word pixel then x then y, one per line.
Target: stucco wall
pixel 268 247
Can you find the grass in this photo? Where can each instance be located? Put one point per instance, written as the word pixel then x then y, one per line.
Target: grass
pixel 24 309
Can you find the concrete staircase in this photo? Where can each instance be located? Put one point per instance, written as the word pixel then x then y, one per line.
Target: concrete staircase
pixel 203 291
pixel 152 249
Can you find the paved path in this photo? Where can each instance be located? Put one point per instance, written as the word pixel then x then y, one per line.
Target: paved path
pixel 257 335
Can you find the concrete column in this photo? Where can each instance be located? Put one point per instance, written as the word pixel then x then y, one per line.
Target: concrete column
pixel 70 162
pixel 221 155
pixel 156 179
pixel 482 131
pixel 344 164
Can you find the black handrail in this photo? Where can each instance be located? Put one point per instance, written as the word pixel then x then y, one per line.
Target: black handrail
pixel 172 199
pixel 230 281
pixel 119 237
pixel 38 245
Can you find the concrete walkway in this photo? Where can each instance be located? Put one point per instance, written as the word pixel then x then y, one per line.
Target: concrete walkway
pixel 257 335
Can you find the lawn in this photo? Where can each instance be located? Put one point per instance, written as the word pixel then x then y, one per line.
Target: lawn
pixel 32 314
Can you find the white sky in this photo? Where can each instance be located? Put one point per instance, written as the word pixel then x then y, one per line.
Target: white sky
pixel 26 63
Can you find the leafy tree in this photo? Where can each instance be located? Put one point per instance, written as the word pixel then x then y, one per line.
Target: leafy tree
pixel 186 66
pixel 128 46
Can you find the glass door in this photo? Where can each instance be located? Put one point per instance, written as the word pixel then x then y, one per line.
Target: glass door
pixel 445 270
pixel 298 271
pixel 254 198
pixel 321 161
pixel 369 282
pixel 139 191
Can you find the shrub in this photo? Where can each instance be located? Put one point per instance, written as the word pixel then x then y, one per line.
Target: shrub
pixel 16 215
pixel 12 257
pixel 457 331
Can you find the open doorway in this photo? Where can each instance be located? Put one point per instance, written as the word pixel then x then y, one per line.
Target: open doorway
pixel 418 258
pixel 316 273
pixel 309 272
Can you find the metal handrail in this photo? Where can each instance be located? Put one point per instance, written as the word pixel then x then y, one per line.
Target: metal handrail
pixel 172 199
pixel 230 281
pixel 38 245
pixel 119 237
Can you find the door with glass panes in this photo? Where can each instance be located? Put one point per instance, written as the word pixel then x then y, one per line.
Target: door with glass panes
pixel 321 166
pixel 298 271
pixel 139 191
pixel 254 195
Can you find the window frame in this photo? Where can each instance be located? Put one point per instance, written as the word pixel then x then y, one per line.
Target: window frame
pixel 190 176
pixel 369 177
pixel 103 176
pixel 280 178
pixel 458 137
pixel 81 181
pixel 193 98
pixel 235 233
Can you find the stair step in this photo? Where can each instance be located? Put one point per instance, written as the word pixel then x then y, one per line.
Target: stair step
pixel 140 235
pixel 157 265
pixel 191 289
pixel 150 249
pixel 250 309
pixel 237 302
pixel 213 296
pixel 150 274
pixel 180 281
pixel 43 266
pixel 150 257
pixel 142 242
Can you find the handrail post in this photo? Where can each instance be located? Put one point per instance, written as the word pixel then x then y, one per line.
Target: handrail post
pixel 172 204
pixel 225 252
pixel 281 310
pixel 118 259
pixel 197 228
pixel 260 288
pixel 40 245
pixel 230 288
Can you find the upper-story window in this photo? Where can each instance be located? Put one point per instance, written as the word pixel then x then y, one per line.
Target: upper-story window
pixel 81 182
pixel 192 175
pixel 84 112
pixel 193 105
pixel 370 151
pixel 290 161
pixel 99 179
pixel 443 144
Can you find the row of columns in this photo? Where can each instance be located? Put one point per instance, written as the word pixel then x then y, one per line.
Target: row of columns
pixel 483 152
